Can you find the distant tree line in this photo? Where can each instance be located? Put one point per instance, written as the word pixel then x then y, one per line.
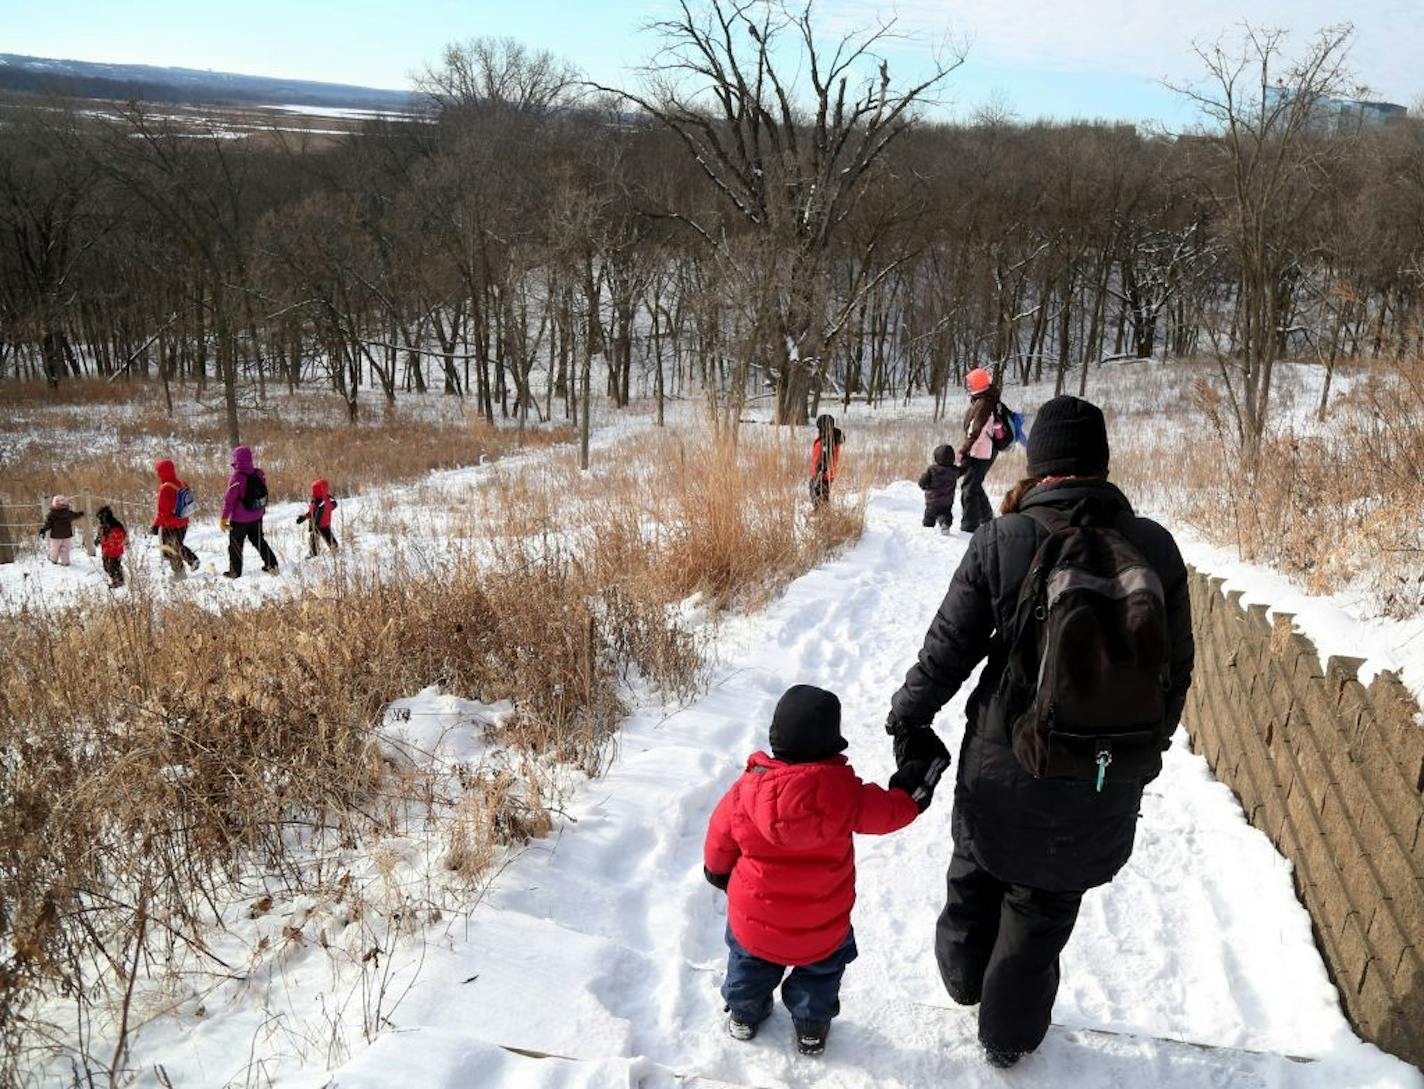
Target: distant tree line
pixel 715 232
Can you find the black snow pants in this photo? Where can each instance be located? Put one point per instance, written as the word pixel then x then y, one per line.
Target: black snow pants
pixel 937 514
pixel 998 945
pixel 820 489
pixel 240 532
pixel 175 551
pixel 974 506
pixel 317 534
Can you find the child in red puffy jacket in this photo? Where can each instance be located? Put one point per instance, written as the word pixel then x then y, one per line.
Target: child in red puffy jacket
pixel 318 516
pixel 780 844
pixel 111 538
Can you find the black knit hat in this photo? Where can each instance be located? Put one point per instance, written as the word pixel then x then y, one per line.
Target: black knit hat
pixel 806 725
pixel 944 456
pixel 1069 438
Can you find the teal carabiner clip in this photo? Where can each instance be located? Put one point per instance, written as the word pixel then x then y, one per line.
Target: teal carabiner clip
pixel 1104 759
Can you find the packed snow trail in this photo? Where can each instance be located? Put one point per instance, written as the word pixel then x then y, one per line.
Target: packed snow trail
pixel 595 959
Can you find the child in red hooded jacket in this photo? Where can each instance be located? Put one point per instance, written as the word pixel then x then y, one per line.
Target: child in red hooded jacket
pixel 780 844
pixel 318 516
pixel 170 524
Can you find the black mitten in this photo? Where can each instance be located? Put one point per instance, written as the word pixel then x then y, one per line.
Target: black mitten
pixel 716 880
pixel 910 777
pixel 919 743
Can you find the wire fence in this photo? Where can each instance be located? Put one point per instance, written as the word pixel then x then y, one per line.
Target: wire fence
pixel 22 521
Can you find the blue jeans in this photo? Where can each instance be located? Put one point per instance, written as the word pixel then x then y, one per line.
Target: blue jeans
pixel 811 992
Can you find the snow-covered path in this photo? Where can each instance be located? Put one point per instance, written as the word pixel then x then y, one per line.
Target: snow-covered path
pixel 595 959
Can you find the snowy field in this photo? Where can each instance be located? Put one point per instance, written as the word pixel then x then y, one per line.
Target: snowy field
pixel 595 956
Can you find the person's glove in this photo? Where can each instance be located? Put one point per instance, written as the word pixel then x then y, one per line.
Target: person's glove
pixel 716 880
pixel 301 518
pixel 918 779
pixel 153 530
pixel 224 525
pixel 916 743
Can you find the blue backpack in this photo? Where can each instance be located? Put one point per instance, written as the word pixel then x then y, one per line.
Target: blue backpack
pixel 1008 429
pixel 184 503
pixel 1020 434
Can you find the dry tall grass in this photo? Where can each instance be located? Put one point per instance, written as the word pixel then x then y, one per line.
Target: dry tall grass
pixel 106 436
pixel 1334 504
pixel 153 753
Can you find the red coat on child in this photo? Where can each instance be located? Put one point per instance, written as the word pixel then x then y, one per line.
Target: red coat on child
pixel 168 487
pixel 784 833
pixel 111 542
pixel 321 505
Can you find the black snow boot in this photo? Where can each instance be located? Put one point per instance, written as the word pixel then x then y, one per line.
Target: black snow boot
pixel 741 1030
pixel 1001 1058
pixel 811 1037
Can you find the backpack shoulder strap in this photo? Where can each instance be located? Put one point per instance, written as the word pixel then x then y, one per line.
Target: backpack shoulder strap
pixel 1050 518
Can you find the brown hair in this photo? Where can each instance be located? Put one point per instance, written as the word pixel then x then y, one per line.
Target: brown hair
pixel 1015 494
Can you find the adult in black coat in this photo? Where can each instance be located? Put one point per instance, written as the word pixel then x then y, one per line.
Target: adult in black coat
pixel 1025 849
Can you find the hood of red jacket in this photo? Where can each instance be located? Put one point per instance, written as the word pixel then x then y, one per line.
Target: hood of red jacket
pixel 320 489
pixel 797 806
pixel 166 471
pixel 242 459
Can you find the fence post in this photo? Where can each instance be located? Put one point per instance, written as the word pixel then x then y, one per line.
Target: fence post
pixel 9 550
pixel 87 504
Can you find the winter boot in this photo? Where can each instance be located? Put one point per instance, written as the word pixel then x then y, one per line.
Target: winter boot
pixel 271 569
pixel 741 1030
pixel 231 575
pixel 1000 1057
pixel 811 1037
pixel 193 563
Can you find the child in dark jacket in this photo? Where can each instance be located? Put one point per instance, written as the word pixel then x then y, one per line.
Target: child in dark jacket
pixel 59 524
pixel 111 538
pixel 318 516
pixel 939 482
pixel 780 844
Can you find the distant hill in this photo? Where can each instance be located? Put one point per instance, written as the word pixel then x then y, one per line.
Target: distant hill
pixel 89 79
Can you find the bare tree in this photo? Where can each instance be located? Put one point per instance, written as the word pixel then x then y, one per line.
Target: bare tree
pixel 1279 147
pixel 792 156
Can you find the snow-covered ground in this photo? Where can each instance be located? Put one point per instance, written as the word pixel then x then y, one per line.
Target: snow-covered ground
pixel 412 522
pixel 595 956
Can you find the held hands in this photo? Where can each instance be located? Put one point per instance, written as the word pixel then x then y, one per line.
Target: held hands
pixel 920 760
pixel 918 779
pixel 919 743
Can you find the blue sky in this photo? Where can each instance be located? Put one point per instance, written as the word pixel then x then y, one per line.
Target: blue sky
pixel 1059 58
